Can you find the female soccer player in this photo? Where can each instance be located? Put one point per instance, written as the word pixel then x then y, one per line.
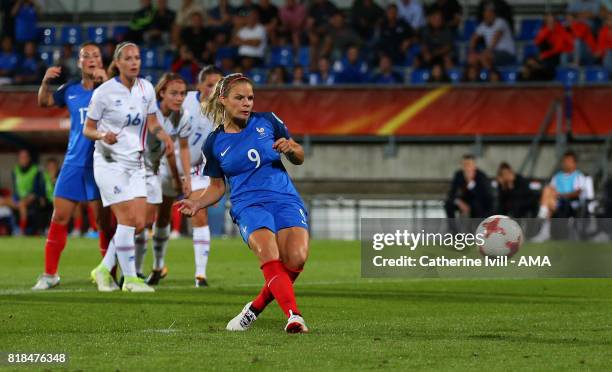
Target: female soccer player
pixel 120 112
pixel 170 93
pixel 245 148
pixel 201 127
pixel 76 180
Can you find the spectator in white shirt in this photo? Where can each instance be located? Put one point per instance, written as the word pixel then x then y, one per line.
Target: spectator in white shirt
pixel 411 11
pixel 499 45
pixel 251 41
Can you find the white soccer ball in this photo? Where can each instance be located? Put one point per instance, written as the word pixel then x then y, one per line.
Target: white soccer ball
pixel 501 236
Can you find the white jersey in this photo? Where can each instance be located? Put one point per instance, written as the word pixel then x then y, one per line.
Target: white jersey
pixel 201 127
pixel 124 112
pixel 177 125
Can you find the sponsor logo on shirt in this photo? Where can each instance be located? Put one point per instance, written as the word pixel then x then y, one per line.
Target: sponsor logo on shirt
pixel 118 103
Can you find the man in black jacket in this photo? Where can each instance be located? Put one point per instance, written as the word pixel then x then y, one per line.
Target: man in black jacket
pixel 515 197
pixel 469 192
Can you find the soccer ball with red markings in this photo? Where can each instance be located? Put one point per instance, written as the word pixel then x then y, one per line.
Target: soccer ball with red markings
pixel 500 235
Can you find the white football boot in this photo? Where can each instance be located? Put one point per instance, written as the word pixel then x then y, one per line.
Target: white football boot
pixel 242 321
pixel 102 277
pixel 296 324
pixel 46 281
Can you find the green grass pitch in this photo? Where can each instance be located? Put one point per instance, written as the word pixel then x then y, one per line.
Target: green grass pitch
pixel 356 324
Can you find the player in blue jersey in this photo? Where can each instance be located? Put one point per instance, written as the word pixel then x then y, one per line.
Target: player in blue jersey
pixel 245 151
pixel 76 179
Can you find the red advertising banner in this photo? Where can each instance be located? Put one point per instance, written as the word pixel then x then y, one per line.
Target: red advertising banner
pixel 439 111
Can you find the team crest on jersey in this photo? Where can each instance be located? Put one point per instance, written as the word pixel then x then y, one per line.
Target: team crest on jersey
pixel 116 190
pixel 261 131
pixel 144 100
pixel 118 103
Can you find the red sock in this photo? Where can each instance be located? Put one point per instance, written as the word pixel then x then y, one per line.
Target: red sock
pixel 176 218
pixel 56 241
pixel 277 280
pixel 78 223
pixel 23 223
pixel 91 218
pixel 264 297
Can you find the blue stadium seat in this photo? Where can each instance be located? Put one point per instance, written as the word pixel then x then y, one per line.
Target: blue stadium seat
pixel 303 58
pixel 529 29
pixel 596 74
pixel 225 53
pixel 168 59
pixel 71 34
pixel 484 75
pixel 530 50
pixel 149 57
pixel 97 34
pixel 420 76
pixel 258 76
pixel 455 75
pixel 47 35
pixel 567 75
pixel 281 56
pixel 47 57
pixel 411 54
pixel 151 75
pixel 469 26
pixel 119 32
pixel 509 74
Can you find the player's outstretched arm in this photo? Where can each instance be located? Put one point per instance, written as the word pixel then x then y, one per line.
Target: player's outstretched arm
pixel 211 195
pixel 45 97
pixel 292 150
pixel 185 156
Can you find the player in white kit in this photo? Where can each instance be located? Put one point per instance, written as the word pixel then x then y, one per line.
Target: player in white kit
pixel 119 113
pixel 200 129
pixel 170 93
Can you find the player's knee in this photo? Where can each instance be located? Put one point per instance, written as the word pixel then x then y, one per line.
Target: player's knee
pixel 60 217
pixel 297 259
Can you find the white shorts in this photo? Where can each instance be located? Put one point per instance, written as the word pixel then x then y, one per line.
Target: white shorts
pixel 198 182
pixel 154 189
pixel 117 182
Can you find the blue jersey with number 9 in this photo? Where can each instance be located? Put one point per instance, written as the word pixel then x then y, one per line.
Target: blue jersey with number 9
pixel 247 160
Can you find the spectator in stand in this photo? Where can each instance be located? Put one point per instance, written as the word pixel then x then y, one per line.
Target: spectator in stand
pixel 163 21
pixel 27 191
pixel 141 22
pixel 31 68
pixel 323 75
pixel 339 37
pixel 585 46
pixel 49 178
pixel 437 43
pixel 26 14
pixel 268 16
pixel 251 42
pixel 585 10
pixel 242 13
pixel 7 23
pixel 319 14
pixel 502 9
pixel 385 73
pixel 186 65
pixel 221 20
pixel 68 63
pixel 438 74
pixel 9 60
pixel 395 36
pixel 299 76
pixel 499 45
pixel 411 11
pixel 278 76
pixel 469 192
pixel 293 21
pixel 351 69
pixel 451 12
pixel 604 44
pixel 196 36
pixel 554 41
pixel 108 50
pixel 514 196
pixel 183 14
pixel 366 18
pixel 471 74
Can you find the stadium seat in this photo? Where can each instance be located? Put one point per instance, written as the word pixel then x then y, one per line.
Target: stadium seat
pixel 47 57
pixel 97 34
pixel 484 75
pixel 596 74
pixel 567 75
pixel 420 76
pixel 71 35
pixel 509 74
pixel 119 32
pixel 455 75
pixel 303 58
pixel 529 29
pixel 411 54
pixel 47 35
pixel 530 50
pixel 150 58
pixel 225 53
pixel 168 59
pixel 469 26
pixel 258 76
pixel 281 56
pixel 151 75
